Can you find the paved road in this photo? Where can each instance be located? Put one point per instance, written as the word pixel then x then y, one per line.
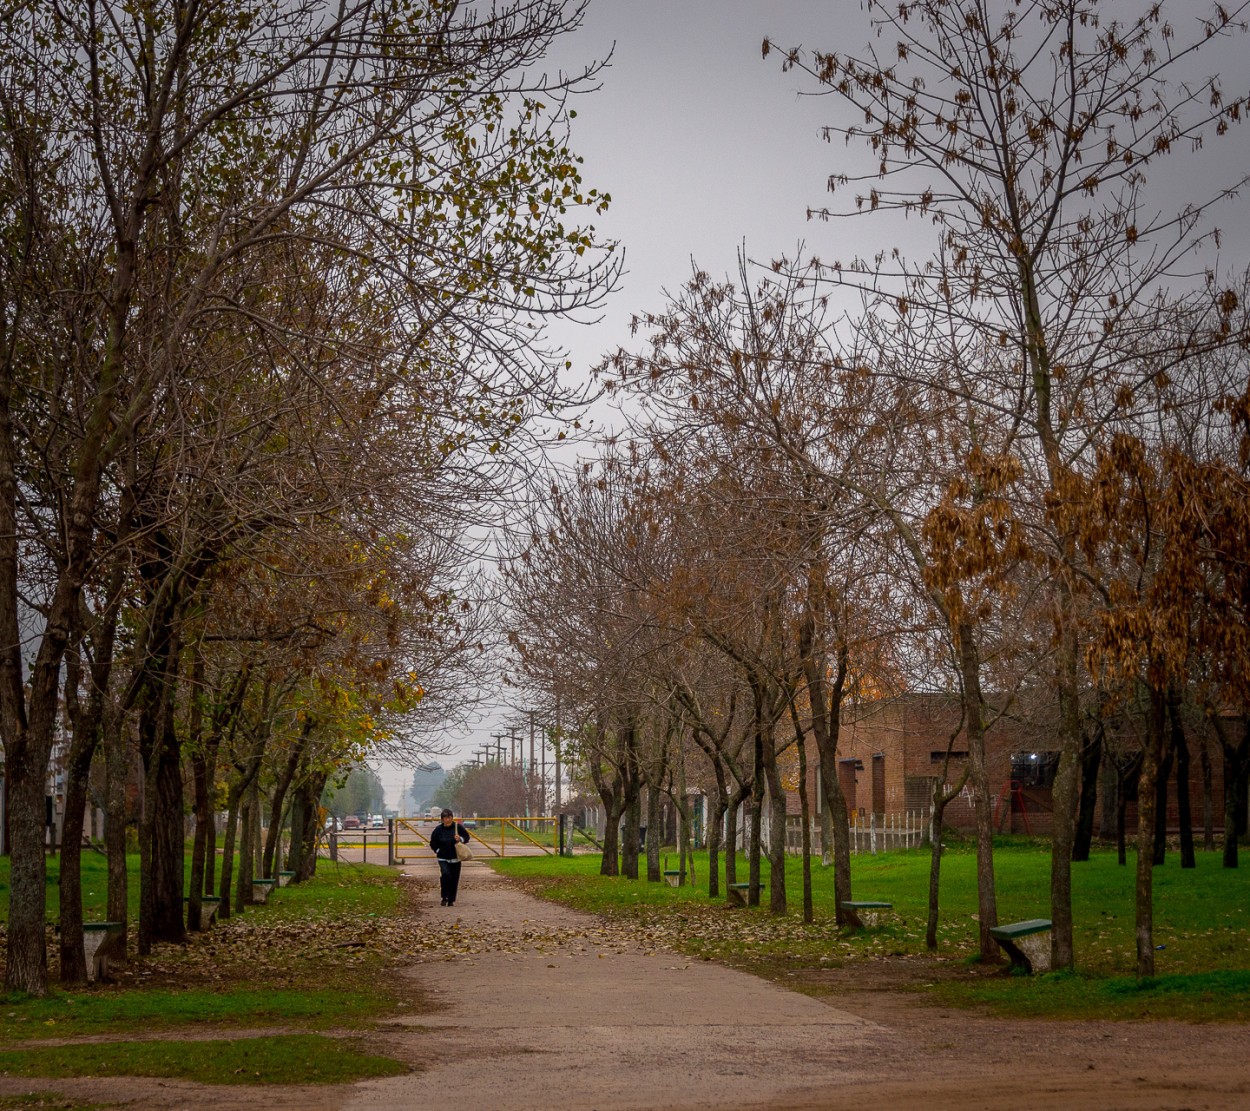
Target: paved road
pixel 548 1008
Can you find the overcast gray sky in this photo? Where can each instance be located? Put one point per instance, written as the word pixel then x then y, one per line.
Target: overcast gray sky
pixel 705 146
pixel 702 144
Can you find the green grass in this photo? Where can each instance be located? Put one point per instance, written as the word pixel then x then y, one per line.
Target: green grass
pixel 1202 926
pixel 119 1010
pixel 313 958
pixel 332 888
pixel 94 873
pixel 284 1059
pixel 1220 995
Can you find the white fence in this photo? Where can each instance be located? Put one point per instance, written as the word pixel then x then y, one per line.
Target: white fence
pixel 870 833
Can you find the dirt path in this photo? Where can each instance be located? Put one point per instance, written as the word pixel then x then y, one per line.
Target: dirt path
pixel 541 1007
pixel 550 1008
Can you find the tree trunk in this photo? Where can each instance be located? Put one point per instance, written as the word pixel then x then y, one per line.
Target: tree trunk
pixel 732 813
pixel 755 845
pixel 715 831
pixel 826 709
pixel 1162 773
pixel 279 796
pixel 224 893
pixel 776 833
pixel 210 847
pixel 1232 772
pixel 941 798
pixel 243 882
pixel 935 865
pixel 655 827
pixel 73 958
pixel 116 766
pixel 1121 821
pixel 199 847
pixel 611 795
pixel 305 828
pixel 805 813
pixel 987 902
pixel 258 841
pixel 1208 802
pixel 1181 748
pixel 631 834
pixel 1128 774
pixel 609 861
pixel 161 823
pixel 147 827
pixel 715 839
pixel 1063 794
pixel 26 963
pixel 161 830
pixel 1146 801
pixel 298 850
pixel 1241 808
pixel 168 852
pixel 1091 762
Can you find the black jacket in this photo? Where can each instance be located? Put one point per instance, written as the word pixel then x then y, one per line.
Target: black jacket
pixel 443 840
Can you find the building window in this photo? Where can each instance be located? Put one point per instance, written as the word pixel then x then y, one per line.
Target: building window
pixel 1034 769
pixel 938 755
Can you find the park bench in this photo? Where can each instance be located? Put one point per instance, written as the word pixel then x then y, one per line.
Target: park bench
pixel 672 877
pixel 261 889
pixel 100 941
pixel 1026 943
pixel 284 878
pixel 870 912
pixel 208 910
pixel 737 893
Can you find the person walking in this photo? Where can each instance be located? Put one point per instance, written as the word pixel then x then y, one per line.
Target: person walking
pixel 443 841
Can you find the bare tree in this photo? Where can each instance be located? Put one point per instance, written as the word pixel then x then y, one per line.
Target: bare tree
pixel 155 157
pixel 1026 136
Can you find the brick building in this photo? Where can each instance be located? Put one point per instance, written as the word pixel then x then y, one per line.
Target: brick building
pixel 890 752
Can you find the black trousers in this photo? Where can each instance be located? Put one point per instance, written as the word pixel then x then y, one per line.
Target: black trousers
pixel 448 878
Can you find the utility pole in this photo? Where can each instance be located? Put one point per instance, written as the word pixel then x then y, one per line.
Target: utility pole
pixel 555 751
pixel 527 793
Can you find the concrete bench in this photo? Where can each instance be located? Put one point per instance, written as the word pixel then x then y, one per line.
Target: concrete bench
pixel 100 941
pixel 261 889
pixel 869 911
pixel 737 893
pixel 208 909
pixel 284 878
pixel 1026 943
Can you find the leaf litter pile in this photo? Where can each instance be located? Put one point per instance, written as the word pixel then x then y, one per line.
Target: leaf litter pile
pixel 336 941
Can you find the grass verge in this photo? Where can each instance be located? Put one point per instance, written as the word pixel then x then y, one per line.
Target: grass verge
pixel 291 1059
pixel 1222 995
pixel 318 957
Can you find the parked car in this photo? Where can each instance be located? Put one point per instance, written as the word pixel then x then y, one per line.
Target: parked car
pixel 333 824
pixel 377 822
pixel 351 822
